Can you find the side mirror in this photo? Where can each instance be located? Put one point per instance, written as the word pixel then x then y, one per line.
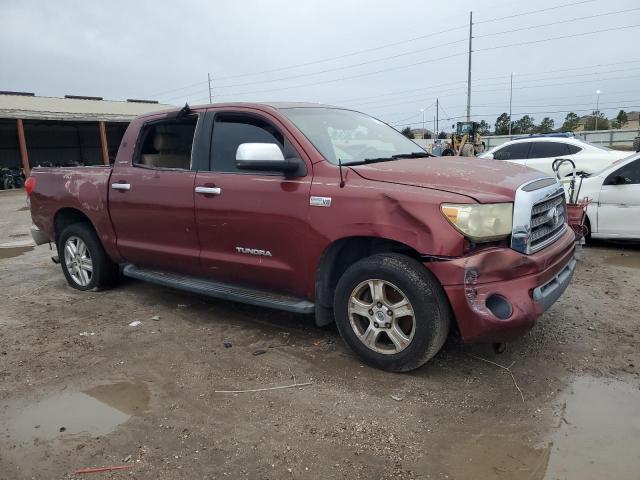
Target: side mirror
pixel 488 155
pixel 264 157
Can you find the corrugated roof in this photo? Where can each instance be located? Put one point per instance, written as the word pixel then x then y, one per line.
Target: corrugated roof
pixel 73 109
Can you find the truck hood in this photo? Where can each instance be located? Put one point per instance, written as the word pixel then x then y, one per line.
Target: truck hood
pixel 486 181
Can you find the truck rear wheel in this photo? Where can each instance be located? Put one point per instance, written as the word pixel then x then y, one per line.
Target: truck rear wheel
pixel 392 312
pixel 84 262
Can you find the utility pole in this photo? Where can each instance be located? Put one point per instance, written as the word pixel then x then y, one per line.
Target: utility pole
pixel 437 131
pixel 510 101
pixel 597 108
pixel 209 80
pixel 469 71
pixel 423 130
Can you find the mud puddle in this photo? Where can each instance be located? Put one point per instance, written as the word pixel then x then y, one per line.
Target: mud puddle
pixel 630 260
pixel 597 437
pixel 599 434
pixel 96 411
pixel 10 252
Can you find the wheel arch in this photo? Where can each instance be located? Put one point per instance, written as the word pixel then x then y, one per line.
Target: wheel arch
pixel 67 216
pixel 344 252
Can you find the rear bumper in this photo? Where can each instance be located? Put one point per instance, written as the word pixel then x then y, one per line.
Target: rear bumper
pixel 497 295
pixel 39 236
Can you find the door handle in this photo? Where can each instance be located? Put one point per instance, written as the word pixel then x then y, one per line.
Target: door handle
pixel 121 186
pixel 209 190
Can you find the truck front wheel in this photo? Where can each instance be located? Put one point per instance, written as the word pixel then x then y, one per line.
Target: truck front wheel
pixel 84 262
pixel 392 312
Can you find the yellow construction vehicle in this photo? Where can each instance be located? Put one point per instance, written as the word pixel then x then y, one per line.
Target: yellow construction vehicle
pixel 465 141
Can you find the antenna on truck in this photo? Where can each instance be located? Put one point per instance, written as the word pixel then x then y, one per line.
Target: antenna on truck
pixel 341 177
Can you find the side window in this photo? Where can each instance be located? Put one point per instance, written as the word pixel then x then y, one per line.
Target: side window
pixel 548 149
pixel 573 149
pixel 230 130
pixel 167 144
pixel 630 173
pixel 515 151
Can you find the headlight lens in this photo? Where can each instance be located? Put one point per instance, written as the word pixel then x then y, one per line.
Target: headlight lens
pixel 481 223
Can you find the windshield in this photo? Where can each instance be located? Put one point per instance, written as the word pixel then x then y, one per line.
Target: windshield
pixel 350 136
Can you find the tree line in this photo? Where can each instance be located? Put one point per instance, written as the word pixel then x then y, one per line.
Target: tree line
pixel 527 125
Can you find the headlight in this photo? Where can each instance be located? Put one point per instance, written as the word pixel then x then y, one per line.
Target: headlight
pixel 481 223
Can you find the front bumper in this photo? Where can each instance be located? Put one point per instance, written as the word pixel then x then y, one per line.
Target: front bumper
pixel 496 295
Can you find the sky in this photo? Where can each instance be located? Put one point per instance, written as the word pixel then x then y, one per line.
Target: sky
pixel 386 58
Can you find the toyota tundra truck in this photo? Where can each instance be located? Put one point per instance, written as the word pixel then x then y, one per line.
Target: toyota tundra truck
pixel 317 210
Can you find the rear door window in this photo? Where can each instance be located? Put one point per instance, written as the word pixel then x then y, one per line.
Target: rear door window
pixel 167 144
pixel 573 149
pixel 548 149
pixel 515 151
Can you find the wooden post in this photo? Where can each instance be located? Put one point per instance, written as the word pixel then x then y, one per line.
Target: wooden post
pixel 103 142
pixel 22 142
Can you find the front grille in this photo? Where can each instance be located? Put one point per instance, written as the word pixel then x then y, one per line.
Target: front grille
pixel 545 225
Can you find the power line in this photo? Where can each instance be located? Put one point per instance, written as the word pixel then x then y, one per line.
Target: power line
pixel 581 34
pixel 547 72
pixel 338 57
pixel 413 90
pixel 556 23
pixel 399 67
pixel 368 62
pixel 575 75
pixel 559 84
pixel 176 89
pixel 531 12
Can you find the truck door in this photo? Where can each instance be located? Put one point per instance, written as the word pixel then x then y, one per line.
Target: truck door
pixel 619 203
pixel 151 198
pixel 252 225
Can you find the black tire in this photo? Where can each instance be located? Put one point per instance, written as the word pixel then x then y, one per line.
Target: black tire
pixel 447 152
pixel 8 183
pixel 432 313
pixel 104 271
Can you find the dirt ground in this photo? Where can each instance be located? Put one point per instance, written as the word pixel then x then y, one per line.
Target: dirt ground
pixel 80 387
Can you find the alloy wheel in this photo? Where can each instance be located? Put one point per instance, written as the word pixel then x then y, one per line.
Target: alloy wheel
pixel 78 261
pixel 381 316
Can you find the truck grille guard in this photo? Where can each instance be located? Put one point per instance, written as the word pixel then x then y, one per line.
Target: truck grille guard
pixel 539 215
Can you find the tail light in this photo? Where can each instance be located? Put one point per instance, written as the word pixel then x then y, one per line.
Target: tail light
pixel 29 185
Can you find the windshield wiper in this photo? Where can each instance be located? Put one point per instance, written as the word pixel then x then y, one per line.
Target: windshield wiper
pixel 412 155
pixel 369 160
pixel 391 158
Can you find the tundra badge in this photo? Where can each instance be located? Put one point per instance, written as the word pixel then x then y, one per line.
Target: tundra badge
pixel 254 251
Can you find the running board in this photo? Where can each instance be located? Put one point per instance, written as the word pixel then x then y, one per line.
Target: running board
pixel 220 290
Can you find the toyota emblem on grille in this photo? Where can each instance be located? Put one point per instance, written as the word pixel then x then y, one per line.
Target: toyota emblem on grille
pixel 553 216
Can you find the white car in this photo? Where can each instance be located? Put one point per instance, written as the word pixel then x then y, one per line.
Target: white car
pixel 539 152
pixel 614 193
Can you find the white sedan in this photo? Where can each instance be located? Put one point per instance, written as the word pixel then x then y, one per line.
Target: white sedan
pixel 539 152
pixel 614 193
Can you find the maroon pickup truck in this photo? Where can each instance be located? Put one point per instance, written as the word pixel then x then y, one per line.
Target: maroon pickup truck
pixel 316 210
